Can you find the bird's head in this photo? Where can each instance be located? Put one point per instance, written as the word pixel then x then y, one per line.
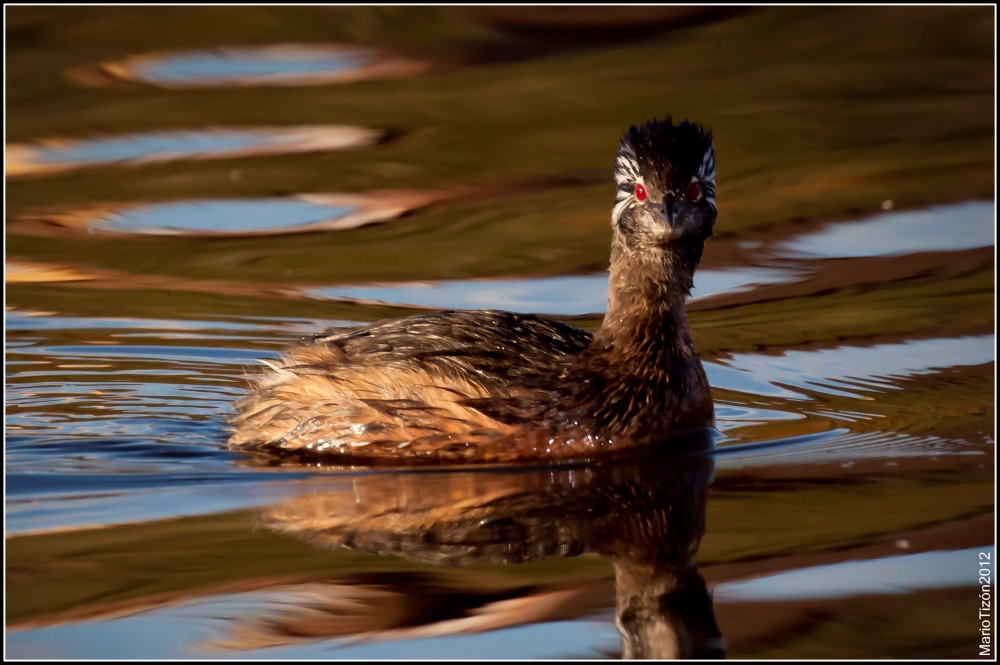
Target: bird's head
pixel 665 175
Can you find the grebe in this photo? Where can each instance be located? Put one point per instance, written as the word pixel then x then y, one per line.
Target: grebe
pixel 490 386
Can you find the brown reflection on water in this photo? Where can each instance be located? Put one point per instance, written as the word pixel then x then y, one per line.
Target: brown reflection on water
pixel 646 515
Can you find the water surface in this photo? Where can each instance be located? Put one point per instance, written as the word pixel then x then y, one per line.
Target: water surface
pixel 840 506
pixel 568 296
pixel 164 146
pixel 934 229
pixel 224 216
pixel 248 66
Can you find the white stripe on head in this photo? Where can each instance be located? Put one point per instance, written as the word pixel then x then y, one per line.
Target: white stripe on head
pixel 706 172
pixel 626 176
pixel 626 167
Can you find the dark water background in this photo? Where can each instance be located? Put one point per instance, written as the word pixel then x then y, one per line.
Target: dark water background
pixel 173 216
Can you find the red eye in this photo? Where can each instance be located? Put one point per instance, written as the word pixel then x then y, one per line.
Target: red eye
pixel 693 192
pixel 640 192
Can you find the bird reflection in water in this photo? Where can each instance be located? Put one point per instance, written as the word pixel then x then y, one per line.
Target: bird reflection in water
pixel 646 515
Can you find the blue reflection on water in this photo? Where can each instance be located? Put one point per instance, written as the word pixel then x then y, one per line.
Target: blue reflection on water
pixel 247 64
pixel 845 371
pixel 209 143
pixel 26 320
pixel 179 633
pixel 224 215
pixel 936 229
pixel 895 574
pixel 566 296
pixel 173 144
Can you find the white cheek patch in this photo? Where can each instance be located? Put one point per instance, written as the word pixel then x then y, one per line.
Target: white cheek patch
pixel 616 212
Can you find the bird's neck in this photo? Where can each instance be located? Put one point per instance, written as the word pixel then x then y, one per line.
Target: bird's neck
pixel 646 295
pixel 641 378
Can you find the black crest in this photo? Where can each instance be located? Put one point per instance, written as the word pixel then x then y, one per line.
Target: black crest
pixel 672 154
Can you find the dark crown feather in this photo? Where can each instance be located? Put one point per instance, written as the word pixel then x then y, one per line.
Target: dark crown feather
pixel 674 153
